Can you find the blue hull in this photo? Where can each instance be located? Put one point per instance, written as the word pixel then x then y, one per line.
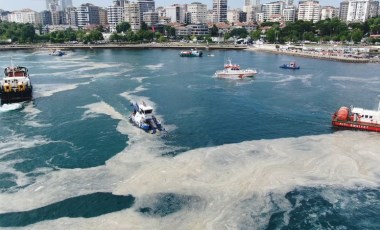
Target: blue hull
pixel 289 67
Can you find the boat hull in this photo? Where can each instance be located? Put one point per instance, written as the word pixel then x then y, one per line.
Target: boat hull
pixel 288 67
pixel 229 75
pixel 356 125
pixel 191 54
pixel 14 97
pixel 234 76
pixel 148 125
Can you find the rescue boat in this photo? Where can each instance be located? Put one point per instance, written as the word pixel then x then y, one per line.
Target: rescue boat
pixel 233 71
pixel 357 118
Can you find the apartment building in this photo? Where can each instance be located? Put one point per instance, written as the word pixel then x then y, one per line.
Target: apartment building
pixel 198 12
pixel 309 10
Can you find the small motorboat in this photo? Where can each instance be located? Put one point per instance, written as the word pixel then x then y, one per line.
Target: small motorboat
pixel 143 118
pixel 291 65
pixel 57 53
pixel 191 53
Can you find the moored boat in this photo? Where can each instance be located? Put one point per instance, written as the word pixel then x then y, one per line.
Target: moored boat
pixel 291 65
pixel 191 53
pixel 357 118
pixel 233 71
pixel 143 118
pixel 16 85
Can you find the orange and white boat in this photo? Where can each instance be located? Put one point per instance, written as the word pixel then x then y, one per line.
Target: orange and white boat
pixel 357 118
pixel 233 71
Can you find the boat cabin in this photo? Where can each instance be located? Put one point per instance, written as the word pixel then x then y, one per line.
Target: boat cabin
pixel 145 109
pixel 15 71
pixel 364 115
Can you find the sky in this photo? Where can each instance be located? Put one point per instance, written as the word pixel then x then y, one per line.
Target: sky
pixel 40 5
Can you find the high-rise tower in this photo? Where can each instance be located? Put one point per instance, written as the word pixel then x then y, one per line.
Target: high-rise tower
pixel 219 10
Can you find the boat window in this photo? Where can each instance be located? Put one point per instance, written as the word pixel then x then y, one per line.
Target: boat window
pixel 366 116
pixel 370 117
pixel 148 111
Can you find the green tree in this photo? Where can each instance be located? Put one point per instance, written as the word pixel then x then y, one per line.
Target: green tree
pixel 356 35
pixel 214 31
pixel 169 31
pixel 70 35
pixel 144 26
pixel 271 35
pixel 256 34
pixel 239 32
pixel 95 35
pixel 27 33
pixel 115 37
pixel 123 27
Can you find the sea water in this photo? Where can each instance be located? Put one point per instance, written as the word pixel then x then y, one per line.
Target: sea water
pixel 255 153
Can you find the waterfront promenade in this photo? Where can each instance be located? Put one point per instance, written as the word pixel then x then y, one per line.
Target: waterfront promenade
pixel 169 45
pixel 271 48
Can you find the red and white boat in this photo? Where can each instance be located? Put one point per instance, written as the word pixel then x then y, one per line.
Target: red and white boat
pixel 233 71
pixel 357 118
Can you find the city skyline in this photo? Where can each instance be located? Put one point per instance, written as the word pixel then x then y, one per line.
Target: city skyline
pixel 40 5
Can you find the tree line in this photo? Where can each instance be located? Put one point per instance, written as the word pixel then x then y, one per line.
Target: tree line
pixel 321 31
pixel 273 32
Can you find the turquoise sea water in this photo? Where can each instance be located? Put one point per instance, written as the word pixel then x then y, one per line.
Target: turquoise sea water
pixel 255 153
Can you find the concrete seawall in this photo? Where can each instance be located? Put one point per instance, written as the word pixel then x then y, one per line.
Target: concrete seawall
pixel 123 46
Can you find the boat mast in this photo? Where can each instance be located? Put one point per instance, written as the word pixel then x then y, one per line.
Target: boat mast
pixel 13 68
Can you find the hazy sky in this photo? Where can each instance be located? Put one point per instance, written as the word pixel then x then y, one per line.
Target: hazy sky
pixel 39 5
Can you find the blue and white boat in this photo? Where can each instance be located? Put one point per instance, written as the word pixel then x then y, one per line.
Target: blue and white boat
pixel 143 118
pixel 291 65
pixel 57 53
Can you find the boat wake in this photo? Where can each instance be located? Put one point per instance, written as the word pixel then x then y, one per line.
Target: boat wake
pixel 11 107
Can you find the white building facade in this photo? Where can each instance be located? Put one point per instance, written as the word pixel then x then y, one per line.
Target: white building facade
pixel 198 12
pixel 24 16
pixel 272 9
pixel 309 11
pixel 132 15
pixel 328 12
pixel 358 11
pixel 115 15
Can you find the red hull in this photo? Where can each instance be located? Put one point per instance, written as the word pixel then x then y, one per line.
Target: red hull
pixel 357 125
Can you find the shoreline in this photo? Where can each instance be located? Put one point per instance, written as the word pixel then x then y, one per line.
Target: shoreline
pixel 176 45
pixel 122 46
pixel 273 50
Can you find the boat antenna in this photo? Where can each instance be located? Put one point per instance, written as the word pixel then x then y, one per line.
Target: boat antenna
pixel 11 61
pixel 378 108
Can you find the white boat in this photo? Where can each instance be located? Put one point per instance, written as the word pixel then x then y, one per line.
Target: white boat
pixel 233 71
pixel 191 53
pixel 143 118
